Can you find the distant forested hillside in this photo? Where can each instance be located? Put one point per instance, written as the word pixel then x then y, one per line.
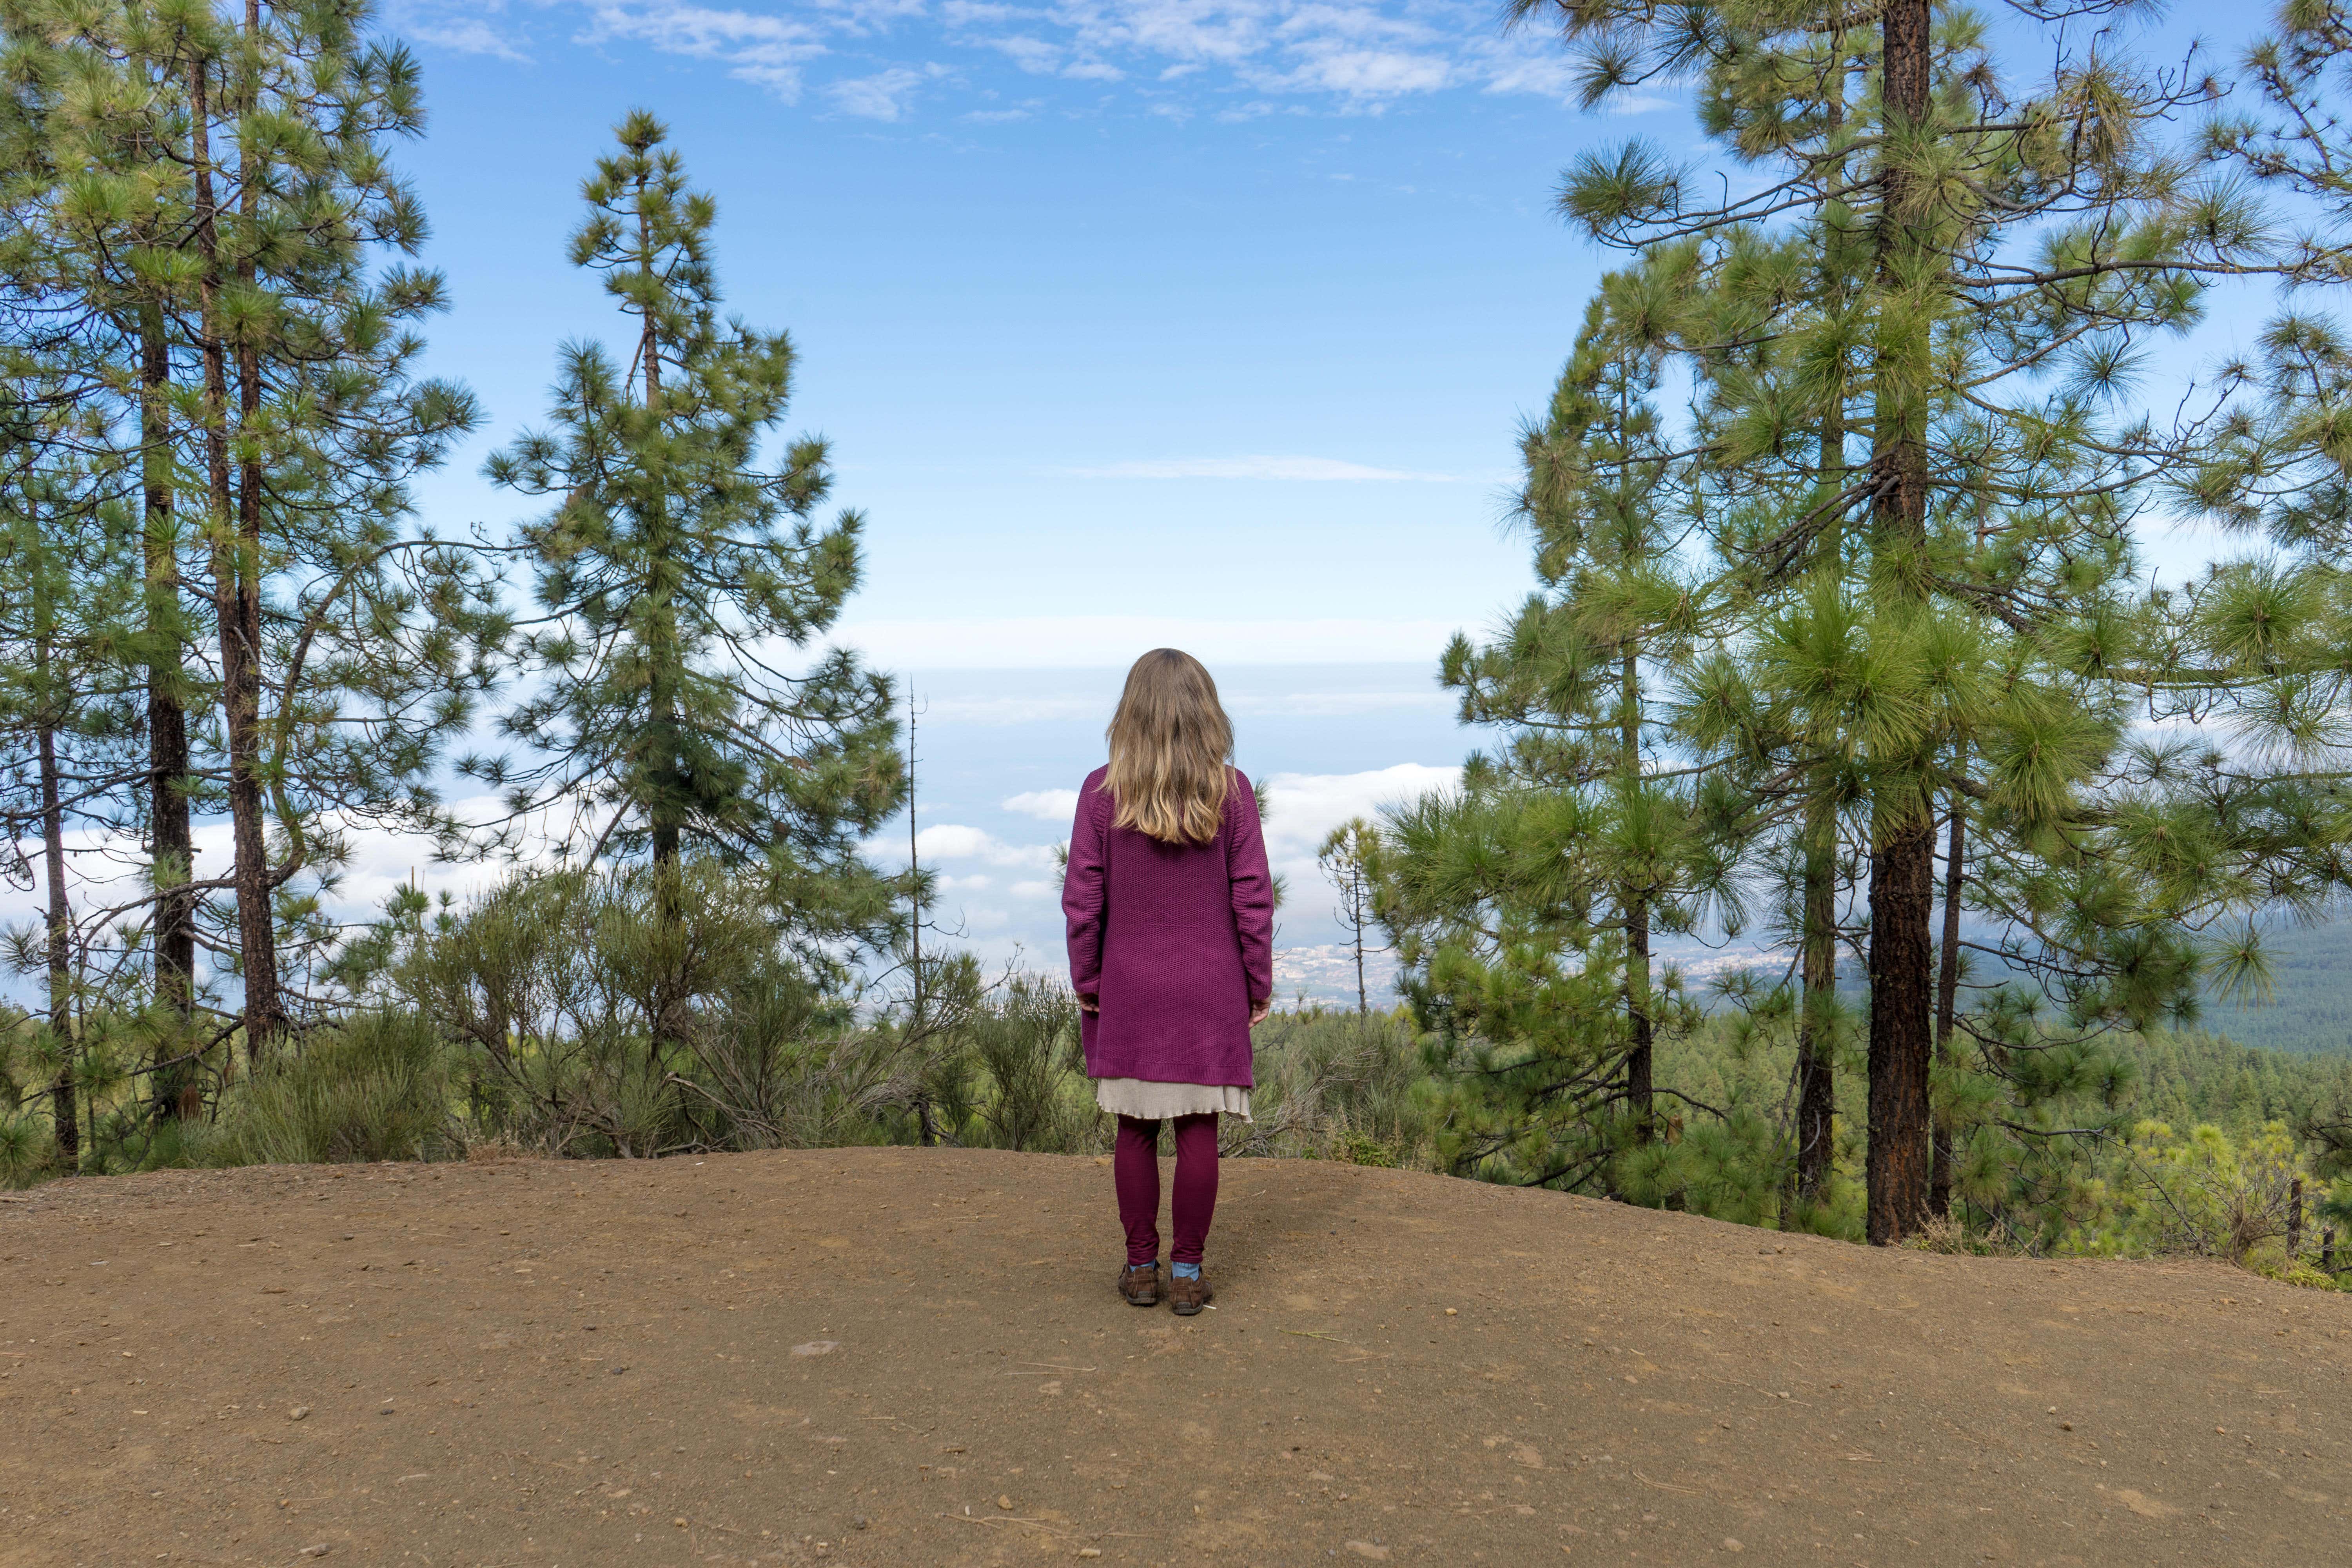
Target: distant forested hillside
pixel 2311 968
pixel 2192 1076
pixel 2181 1078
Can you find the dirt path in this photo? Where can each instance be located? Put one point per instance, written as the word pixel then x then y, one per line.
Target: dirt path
pixel 902 1356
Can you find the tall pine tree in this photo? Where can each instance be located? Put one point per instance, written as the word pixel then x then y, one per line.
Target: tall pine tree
pixel 682 564
pixel 1526 905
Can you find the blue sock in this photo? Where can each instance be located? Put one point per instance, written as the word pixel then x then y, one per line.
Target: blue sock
pixel 1186 1270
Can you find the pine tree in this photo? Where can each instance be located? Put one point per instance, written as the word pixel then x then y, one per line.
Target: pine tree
pixel 1526 906
pixel 62 702
pixel 2022 245
pixel 62 578
pixel 2280 469
pixel 225 202
pixel 108 83
pixel 349 650
pixel 678 562
pixel 1348 860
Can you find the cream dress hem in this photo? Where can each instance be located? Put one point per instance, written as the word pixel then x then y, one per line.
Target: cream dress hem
pixel 1150 1101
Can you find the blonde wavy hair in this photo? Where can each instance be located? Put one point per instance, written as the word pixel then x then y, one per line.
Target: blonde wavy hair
pixel 1170 750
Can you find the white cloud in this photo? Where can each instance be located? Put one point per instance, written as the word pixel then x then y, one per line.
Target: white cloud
pixel 1311 470
pixel 869 16
pixel 1098 642
pixel 466 35
pixel 766 51
pixel 1369 73
pixel 107 871
pixel 953 841
pixel 1301 808
pixel 1227 32
pixel 1046 805
pixel 1033 55
pixel 1354 55
pixel 883 96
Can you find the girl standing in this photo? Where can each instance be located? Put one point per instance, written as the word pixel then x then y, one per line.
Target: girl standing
pixel 1171 913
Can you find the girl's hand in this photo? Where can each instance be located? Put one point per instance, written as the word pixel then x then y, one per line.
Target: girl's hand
pixel 1089 1003
pixel 1258 1011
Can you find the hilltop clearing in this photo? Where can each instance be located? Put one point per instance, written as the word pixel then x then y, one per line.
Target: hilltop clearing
pixel 886 1356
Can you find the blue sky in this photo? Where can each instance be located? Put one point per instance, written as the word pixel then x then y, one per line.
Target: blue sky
pixel 1220 314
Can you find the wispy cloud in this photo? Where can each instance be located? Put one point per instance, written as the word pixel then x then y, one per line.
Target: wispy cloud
pixel 1329 67
pixel 1310 470
pixel 1046 805
pixel 756 46
pixel 1351 56
pixel 868 15
pixel 954 842
pixel 1301 808
pixel 885 96
pixel 466 35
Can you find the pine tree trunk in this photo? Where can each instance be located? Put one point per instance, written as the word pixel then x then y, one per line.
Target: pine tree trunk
pixel 664 673
pixel 1363 997
pixel 1902 876
pixel 1902 899
pixel 1816 1097
pixel 265 1017
pixel 1633 898
pixel 1948 992
pixel 1359 901
pixel 256 923
pixel 61 922
pixel 233 577
pixel 1816 1131
pixel 172 842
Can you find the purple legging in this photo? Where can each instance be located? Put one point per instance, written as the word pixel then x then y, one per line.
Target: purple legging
pixel 1135 1170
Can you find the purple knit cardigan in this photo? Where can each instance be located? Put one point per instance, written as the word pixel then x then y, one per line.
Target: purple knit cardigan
pixel 1175 940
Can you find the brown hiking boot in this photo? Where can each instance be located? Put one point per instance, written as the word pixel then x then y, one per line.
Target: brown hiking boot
pixel 1189 1296
pixel 1141 1285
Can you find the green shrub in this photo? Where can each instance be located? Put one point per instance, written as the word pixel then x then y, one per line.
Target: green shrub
pixel 376 1087
pixel 27 1150
pixel 1339 1085
pixel 642 1012
pixel 1014 1074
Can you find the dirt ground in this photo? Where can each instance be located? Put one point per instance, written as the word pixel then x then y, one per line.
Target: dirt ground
pixel 913 1356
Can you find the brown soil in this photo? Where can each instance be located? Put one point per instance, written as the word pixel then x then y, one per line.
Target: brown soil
pixel 903 1356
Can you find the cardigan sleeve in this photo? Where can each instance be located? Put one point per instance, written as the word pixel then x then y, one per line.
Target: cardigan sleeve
pixel 1252 887
pixel 1083 886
